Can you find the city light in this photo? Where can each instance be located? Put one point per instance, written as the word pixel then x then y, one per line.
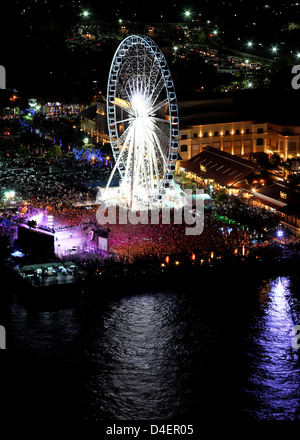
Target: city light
pixel 249 44
pixel 274 49
pixel 9 194
pixel 85 13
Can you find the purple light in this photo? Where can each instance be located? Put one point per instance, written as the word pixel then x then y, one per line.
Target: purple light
pixel 37 218
pixel 93 154
pixel 279 233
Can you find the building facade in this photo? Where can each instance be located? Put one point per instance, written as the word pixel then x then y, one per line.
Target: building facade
pixel 241 138
pixel 93 122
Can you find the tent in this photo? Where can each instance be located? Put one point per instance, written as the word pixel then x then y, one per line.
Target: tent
pixel 18 254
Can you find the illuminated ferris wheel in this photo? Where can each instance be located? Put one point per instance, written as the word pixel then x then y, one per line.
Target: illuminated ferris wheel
pixel 142 116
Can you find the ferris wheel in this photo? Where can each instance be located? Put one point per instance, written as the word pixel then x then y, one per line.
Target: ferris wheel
pixel 143 123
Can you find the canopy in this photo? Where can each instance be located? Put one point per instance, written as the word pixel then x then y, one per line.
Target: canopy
pixel 17 254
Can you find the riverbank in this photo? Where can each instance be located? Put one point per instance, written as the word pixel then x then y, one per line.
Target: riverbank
pixel 125 280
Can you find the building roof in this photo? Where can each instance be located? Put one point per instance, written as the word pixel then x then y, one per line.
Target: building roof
pixel 89 113
pixel 277 196
pixel 220 166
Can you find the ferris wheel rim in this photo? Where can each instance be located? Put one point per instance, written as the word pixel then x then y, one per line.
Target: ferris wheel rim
pixel 171 100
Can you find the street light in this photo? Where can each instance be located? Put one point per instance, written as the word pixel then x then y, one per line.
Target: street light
pixel 85 13
pixel 249 44
pixel 274 49
pixel 175 48
pixel 187 14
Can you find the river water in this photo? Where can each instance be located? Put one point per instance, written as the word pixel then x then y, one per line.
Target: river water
pixel 194 353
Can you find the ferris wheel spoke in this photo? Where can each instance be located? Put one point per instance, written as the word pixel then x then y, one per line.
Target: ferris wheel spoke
pixel 138 166
pixel 124 120
pixel 124 135
pixel 162 135
pixel 160 120
pixel 145 170
pixel 153 162
pixel 156 91
pixel 159 105
pixel 158 146
pixel 153 75
pixel 151 152
pixel 118 160
pixel 158 136
pixel 127 168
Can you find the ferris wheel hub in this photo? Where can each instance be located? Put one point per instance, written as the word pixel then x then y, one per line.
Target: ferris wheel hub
pixel 139 105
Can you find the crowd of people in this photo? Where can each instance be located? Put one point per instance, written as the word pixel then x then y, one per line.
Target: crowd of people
pixel 130 242
pixel 231 227
pixel 161 240
pixel 220 237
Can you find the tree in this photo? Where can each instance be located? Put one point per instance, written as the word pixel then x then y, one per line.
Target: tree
pixel 198 37
pixel 54 151
pixel 23 150
pixel 275 159
pixel 222 197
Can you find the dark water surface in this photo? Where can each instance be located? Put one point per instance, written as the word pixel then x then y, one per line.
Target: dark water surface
pixel 200 352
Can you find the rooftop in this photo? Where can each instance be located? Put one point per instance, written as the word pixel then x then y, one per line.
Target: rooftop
pixel 220 166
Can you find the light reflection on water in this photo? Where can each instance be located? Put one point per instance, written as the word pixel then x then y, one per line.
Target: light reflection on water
pixel 161 355
pixel 274 379
pixel 148 356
